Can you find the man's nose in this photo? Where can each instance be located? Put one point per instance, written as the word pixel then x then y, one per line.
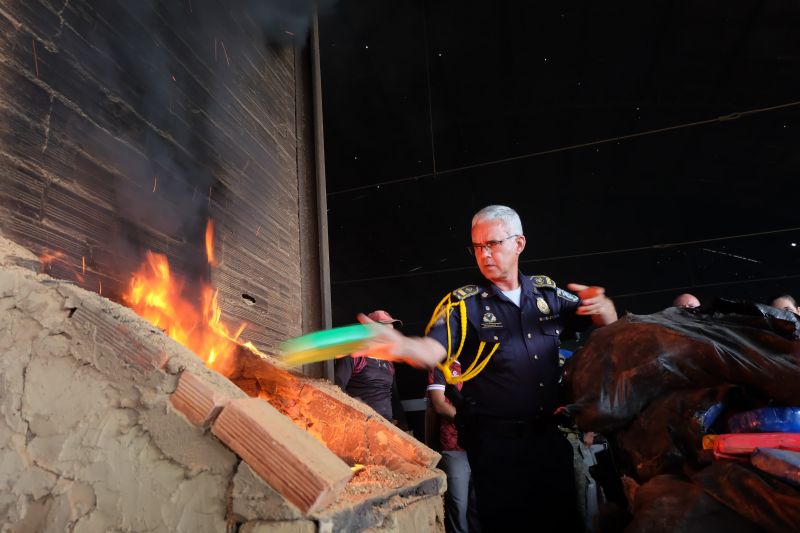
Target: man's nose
pixel 486 251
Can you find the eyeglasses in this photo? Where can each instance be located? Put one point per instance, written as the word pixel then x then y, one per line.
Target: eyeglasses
pixel 489 246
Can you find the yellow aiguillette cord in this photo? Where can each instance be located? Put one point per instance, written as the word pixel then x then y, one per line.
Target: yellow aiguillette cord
pixel 474 368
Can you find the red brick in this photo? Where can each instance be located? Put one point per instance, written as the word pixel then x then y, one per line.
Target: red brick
pixel 124 343
pixel 197 399
pixel 295 464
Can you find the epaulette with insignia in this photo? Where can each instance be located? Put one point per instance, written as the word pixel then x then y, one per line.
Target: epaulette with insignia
pixel 566 295
pixel 466 291
pixel 543 281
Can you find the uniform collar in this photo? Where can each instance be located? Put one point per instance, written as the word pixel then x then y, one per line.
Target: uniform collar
pixel 528 287
pixel 525 283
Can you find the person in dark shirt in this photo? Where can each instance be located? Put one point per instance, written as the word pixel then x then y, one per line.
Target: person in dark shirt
pixel 370 380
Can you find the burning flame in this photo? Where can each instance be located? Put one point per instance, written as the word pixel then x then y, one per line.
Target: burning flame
pixel 210 243
pixel 47 258
pixel 158 296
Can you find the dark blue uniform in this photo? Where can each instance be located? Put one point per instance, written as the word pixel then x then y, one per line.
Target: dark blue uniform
pixel 521 462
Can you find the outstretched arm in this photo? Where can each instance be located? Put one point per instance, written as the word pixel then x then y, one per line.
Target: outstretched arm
pixel 391 345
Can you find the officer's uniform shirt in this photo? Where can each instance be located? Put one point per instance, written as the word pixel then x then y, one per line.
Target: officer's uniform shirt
pixel 522 379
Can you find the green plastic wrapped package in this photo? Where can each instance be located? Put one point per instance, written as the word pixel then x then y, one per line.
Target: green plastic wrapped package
pixel 326 344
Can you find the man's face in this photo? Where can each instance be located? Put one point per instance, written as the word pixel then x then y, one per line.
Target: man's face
pixel 499 263
pixel 785 304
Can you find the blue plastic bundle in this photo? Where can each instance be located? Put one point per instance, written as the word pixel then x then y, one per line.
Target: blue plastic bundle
pixel 766 420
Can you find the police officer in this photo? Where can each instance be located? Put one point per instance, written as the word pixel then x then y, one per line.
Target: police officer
pixel 505 332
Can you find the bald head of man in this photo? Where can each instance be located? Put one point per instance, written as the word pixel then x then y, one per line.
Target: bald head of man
pixel 686 300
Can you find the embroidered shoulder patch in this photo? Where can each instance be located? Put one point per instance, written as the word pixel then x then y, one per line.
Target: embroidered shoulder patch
pixel 543 281
pixel 566 295
pixel 466 291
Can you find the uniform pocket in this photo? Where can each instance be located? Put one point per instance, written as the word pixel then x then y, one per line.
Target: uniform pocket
pixel 552 330
pixel 493 335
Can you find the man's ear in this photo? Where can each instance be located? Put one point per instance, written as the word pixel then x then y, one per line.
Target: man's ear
pixel 520 244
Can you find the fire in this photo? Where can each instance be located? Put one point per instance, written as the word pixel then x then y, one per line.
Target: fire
pixel 210 243
pixel 47 258
pixel 158 296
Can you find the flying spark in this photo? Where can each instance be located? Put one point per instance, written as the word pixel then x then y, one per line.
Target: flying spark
pixel 225 51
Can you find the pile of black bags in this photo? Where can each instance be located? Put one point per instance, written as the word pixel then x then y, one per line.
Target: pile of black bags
pixel 655 385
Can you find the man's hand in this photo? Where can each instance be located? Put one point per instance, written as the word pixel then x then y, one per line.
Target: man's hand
pixel 594 303
pixel 391 345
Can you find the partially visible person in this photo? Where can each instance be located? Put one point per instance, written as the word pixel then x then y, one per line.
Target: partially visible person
pixel 686 300
pixel 786 302
pixel 370 380
pixel 460 511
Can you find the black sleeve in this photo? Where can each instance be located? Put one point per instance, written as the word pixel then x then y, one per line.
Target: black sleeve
pixel 573 322
pixel 342 371
pixel 398 413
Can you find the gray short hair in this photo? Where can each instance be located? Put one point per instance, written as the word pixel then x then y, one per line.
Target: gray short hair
pixel 500 212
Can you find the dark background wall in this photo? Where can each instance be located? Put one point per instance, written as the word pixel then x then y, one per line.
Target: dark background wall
pixel 436 108
pixel 124 126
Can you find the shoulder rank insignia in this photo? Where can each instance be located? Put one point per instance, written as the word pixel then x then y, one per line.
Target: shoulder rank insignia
pixel 466 291
pixel 543 281
pixel 566 295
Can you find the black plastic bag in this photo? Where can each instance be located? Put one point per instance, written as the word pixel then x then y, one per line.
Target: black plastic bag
pixel 669 503
pixel 761 499
pixel 669 432
pixel 627 365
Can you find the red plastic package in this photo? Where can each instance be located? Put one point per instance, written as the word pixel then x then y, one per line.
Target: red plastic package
pixel 739 446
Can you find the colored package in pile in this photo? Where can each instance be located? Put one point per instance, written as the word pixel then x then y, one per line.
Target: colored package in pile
pixel 766 420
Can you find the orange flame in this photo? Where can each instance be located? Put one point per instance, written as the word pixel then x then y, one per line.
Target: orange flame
pixel 47 258
pixel 157 296
pixel 210 243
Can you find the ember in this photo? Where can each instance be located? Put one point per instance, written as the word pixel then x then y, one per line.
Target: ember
pixel 47 258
